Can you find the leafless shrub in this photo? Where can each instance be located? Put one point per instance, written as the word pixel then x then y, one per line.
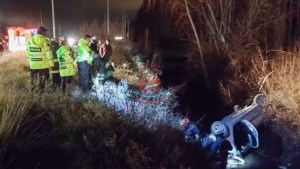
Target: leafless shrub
pixel 99 28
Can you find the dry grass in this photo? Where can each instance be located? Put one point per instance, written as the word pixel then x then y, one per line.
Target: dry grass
pixel 273 73
pixel 14 104
pixel 14 70
pixel 80 133
pixel 125 72
pixel 18 125
pixel 283 88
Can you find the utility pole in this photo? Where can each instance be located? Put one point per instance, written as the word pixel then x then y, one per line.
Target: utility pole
pixel 53 18
pixel 41 18
pixel 108 33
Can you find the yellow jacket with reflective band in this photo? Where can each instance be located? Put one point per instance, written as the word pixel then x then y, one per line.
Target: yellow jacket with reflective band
pixel 84 51
pixel 39 54
pixel 65 59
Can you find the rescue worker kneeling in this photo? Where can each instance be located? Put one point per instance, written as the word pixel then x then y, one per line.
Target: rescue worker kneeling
pixel 191 131
pixel 215 144
pixel 66 64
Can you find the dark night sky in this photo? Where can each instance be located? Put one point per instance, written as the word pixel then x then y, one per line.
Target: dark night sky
pixel 69 13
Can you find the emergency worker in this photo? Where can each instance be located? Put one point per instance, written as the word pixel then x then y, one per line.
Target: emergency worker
pixel 218 149
pixel 95 54
pixel 84 61
pixel 56 80
pixel 215 144
pixel 94 45
pixel 40 59
pixel 191 131
pixel 105 69
pixel 108 49
pixel 66 64
pixel 61 39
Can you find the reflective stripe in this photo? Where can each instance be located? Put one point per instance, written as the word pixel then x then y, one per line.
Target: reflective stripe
pixel 35 49
pixel 36 55
pixel 54 71
pixel 36 59
pixel 63 67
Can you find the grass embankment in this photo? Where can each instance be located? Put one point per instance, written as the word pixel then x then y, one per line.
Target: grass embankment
pixel 51 130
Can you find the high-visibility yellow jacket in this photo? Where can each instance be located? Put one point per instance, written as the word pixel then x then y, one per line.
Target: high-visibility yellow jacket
pixel 39 54
pixel 65 59
pixel 84 52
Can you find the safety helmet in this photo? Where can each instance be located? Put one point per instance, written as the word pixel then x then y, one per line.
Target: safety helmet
pixel 184 121
pixel 62 38
pixel 41 30
pixel 219 128
pixel 94 39
pixel 54 40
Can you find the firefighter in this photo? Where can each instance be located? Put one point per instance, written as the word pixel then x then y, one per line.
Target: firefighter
pixel 84 61
pixel 94 45
pixel 56 80
pixel 108 49
pixel 215 144
pixel 105 69
pixel 217 148
pixel 66 66
pixel 40 59
pixel 191 131
pixel 95 53
pixel 61 39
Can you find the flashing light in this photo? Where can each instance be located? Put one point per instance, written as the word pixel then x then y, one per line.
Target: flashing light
pixel 17 38
pixel 71 41
pixel 118 38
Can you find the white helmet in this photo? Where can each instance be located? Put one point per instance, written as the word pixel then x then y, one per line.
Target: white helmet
pixel 94 38
pixel 184 121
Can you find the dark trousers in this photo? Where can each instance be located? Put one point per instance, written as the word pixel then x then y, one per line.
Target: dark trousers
pixel 95 65
pixel 56 80
pixel 64 81
pixel 83 71
pixel 38 78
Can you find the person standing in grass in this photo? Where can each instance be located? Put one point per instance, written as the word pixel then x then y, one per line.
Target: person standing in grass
pixel 40 58
pixel 105 69
pixel 84 61
pixel 56 80
pixel 95 54
pixel 66 64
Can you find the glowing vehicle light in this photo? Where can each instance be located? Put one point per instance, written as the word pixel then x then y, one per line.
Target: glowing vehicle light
pixel 118 38
pixel 17 38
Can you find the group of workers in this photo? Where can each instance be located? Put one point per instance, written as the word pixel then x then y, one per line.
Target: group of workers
pixel 90 57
